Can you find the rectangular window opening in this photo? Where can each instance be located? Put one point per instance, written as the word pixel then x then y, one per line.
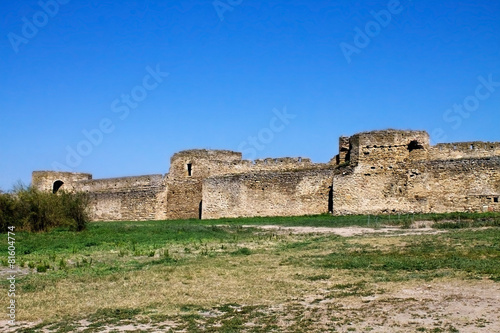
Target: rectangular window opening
pixel 495 199
pixel 189 168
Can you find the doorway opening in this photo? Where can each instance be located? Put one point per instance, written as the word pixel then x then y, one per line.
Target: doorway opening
pixel 200 209
pixel 330 199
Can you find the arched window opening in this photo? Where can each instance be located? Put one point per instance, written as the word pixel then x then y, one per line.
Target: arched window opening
pixel 57 185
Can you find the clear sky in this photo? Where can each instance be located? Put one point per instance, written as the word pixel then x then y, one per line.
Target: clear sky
pixel 115 88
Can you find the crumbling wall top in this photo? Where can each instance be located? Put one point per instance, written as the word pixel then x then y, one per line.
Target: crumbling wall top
pixel 392 137
pixel 118 184
pixel 47 173
pixel 471 149
pixel 214 155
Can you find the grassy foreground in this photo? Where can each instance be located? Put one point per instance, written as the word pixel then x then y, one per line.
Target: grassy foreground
pixel 230 275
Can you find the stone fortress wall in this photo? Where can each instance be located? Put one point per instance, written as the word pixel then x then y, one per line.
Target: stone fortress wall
pixel 398 172
pixel 390 171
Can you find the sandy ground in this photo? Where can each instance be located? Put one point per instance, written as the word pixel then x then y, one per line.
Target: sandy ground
pixel 349 231
pixel 454 306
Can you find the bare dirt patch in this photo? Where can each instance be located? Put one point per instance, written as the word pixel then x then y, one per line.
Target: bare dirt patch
pixel 438 306
pixel 348 231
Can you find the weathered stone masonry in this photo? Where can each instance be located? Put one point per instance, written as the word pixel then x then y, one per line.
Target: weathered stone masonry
pixel 375 172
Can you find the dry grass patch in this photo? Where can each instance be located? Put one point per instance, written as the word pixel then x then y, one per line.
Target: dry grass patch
pixel 251 280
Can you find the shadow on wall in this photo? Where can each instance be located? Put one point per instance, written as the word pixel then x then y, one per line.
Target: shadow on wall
pixel 330 199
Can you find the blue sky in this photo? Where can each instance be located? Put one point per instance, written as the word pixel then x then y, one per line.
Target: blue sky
pixel 145 79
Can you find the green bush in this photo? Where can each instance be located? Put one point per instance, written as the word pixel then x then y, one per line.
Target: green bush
pixel 42 267
pixel 29 209
pixel 242 251
pixel 74 206
pixel 8 211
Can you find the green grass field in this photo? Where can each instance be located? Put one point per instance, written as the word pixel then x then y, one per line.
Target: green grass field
pixel 230 275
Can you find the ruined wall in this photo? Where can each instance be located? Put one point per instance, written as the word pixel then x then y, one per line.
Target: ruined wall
pixel 388 147
pixel 49 181
pixel 187 171
pixel 420 187
pixel 126 198
pixel 183 199
pixel 200 163
pixel 398 171
pixel 375 172
pixel 176 196
pixel 267 194
pixel 189 168
pixel 344 145
pixel 473 149
pixel 205 163
pixel 358 191
pixel 112 199
pixel 122 199
pixel 374 182
pixel 456 185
